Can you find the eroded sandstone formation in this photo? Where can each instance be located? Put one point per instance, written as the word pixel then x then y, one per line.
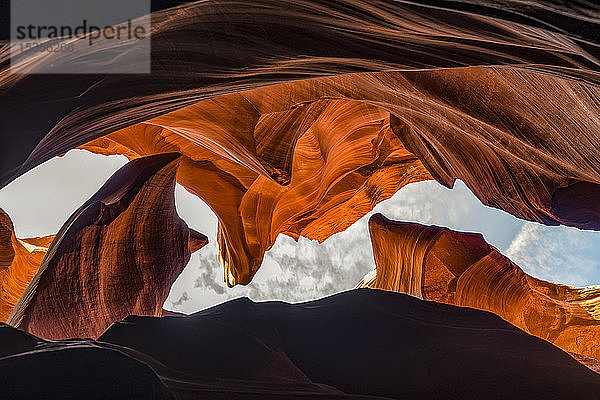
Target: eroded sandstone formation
pixel 297 117
pixel 19 262
pixel 310 158
pixel 117 255
pixel 264 42
pixel 306 121
pixel 446 266
pixel 329 162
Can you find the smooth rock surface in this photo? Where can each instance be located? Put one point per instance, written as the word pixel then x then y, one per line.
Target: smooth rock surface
pixel 360 342
pixel 458 268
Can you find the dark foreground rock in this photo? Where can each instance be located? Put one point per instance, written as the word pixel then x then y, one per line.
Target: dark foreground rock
pixel 361 344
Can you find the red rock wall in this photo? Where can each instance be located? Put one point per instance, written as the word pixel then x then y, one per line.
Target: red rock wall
pixel 311 157
pixel 266 42
pixel 327 163
pixel 307 113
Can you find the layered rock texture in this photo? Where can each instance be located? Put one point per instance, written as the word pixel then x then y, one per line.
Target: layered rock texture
pixel 269 163
pixel 117 255
pixel 362 344
pixel 19 262
pixel 293 161
pixel 298 117
pixel 306 114
pixel 459 268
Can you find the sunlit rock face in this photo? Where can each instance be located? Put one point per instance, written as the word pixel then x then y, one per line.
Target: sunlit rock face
pixel 446 266
pixel 294 161
pixel 117 255
pixel 265 42
pixel 19 262
pixel 275 160
pixel 299 117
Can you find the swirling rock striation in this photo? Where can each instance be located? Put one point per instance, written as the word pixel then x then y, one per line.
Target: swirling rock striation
pixel 265 42
pixel 306 114
pixel 336 159
pixel 446 266
pixel 310 158
pixel 20 259
pixel 117 255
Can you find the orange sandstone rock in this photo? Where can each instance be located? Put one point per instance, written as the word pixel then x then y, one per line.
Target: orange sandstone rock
pixel 280 117
pixel 19 261
pixel 262 43
pixel 117 255
pixel 311 157
pixel 446 266
pixel 278 163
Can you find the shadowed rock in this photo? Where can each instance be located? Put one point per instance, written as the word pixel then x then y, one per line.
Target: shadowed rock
pixel 75 369
pixel 361 342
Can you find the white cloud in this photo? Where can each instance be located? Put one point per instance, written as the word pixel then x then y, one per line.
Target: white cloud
pixel 432 204
pixel 291 271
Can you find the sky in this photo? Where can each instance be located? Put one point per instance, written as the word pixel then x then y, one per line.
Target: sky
pixel 40 201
